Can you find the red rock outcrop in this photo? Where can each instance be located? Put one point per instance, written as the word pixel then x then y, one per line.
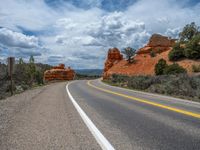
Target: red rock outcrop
pixel 157 40
pixel 113 57
pixel 157 43
pixel 59 73
pixel 144 63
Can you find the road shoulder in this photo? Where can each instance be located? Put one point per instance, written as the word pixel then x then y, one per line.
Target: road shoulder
pixel 43 118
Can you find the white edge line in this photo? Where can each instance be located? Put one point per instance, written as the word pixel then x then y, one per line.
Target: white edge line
pixel 101 140
pixel 152 94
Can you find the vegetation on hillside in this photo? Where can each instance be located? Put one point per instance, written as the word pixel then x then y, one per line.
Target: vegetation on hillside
pixel 161 68
pixel 177 52
pixel 189 31
pixel 188 44
pixel 26 75
pixel 179 85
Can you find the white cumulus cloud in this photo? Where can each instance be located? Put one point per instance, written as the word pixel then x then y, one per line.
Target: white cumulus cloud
pixel 83 36
pixel 15 39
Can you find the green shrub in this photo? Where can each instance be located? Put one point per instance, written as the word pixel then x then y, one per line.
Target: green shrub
pixel 190 36
pixel 140 82
pixel 39 77
pixel 117 78
pixel 180 85
pixel 176 53
pixel 196 68
pixel 160 67
pixel 192 50
pixel 189 31
pixel 174 69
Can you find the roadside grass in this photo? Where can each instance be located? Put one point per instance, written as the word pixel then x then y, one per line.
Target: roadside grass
pixel 179 86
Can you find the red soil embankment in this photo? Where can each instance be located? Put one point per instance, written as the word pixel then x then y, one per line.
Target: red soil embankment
pixel 144 63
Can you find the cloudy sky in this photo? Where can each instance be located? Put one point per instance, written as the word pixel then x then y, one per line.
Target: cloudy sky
pixel 79 32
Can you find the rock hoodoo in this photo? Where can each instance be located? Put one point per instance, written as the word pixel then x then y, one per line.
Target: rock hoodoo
pixel 59 73
pixel 113 57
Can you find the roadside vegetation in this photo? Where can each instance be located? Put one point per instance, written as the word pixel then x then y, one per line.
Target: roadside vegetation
pixel 177 85
pixel 162 68
pixel 26 76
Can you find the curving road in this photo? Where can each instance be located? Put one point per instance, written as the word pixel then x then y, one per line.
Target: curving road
pixel 91 115
pixel 137 120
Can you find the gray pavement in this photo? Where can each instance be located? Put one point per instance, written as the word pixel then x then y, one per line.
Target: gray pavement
pixel 43 119
pixel 130 124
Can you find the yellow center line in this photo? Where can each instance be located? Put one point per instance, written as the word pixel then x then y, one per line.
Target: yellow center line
pixel 188 113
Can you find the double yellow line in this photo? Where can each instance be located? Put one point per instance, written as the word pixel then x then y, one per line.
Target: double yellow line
pixel 188 113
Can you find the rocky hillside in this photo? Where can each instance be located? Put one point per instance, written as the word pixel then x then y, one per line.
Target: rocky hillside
pixel 145 60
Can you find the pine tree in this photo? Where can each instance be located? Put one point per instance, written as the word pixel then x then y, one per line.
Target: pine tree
pixel 129 52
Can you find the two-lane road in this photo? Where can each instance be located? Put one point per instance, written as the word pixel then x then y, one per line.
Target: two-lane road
pixel 135 120
pixel 91 115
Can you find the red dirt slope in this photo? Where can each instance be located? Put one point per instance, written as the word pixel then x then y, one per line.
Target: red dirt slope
pixel 144 64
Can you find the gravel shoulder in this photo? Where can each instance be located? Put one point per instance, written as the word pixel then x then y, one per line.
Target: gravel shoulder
pixel 43 118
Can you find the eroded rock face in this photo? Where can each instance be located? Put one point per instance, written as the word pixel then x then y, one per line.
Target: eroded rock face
pixel 157 40
pixel 157 43
pixel 113 57
pixel 59 73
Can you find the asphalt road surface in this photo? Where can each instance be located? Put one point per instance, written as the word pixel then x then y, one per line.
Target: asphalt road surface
pixel 45 118
pixel 135 120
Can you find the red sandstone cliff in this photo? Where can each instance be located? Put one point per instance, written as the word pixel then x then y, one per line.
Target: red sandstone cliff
pixel 143 62
pixel 59 73
pixel 113 58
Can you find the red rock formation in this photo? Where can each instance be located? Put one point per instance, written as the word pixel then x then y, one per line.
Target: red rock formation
pixel 157 40
pixel 59 73
pixel 157 43
pixel 144 64
pixel 113 58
